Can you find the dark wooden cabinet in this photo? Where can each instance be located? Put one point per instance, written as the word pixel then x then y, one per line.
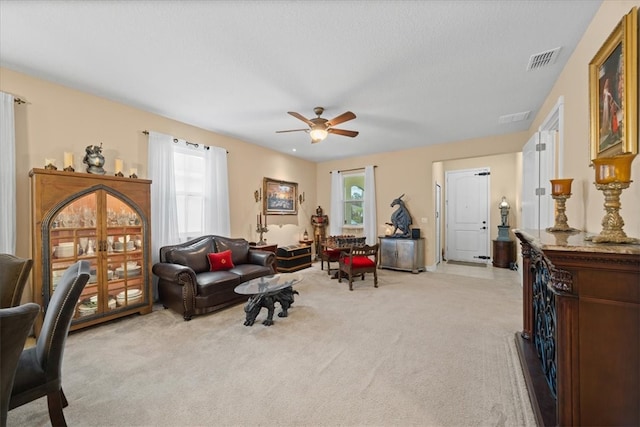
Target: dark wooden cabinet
pixel 579 347
pixel 503 253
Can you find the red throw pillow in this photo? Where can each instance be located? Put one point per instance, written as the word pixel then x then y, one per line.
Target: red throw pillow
pixel 220 261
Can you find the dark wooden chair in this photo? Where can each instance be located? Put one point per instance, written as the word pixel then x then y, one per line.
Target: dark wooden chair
pixel 39 371
pixel 358 261
pixel 15 324
pixel 14 272
pixel 329 255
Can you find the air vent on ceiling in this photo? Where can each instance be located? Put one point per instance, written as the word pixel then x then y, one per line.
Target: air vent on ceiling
pixel 516 117
pixel 543 59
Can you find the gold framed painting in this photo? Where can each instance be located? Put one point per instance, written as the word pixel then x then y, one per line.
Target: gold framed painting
pixel 280 197
pixel 613 91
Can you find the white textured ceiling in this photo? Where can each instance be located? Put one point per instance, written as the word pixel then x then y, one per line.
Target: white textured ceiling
pixel 414 72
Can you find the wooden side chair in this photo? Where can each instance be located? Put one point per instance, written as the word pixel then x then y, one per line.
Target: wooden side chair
pixel 358 261
pixel 328 255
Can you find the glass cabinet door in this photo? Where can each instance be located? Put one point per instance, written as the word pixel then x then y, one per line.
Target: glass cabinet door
pixel 124 254
pixel 108 232
pixel 73 236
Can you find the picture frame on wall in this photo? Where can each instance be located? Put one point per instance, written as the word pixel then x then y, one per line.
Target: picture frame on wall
pixel 613 91
pixel 280 197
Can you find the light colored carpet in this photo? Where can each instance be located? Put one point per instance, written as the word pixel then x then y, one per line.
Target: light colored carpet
pixel 428 349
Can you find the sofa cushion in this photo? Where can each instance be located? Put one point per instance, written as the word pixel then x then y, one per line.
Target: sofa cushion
pixel 251 271
pixel 239 249
pixel 212 282
pixel 194 256
pixel 220 261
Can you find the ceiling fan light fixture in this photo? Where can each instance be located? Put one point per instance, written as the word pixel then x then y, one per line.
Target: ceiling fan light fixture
pixel 318 135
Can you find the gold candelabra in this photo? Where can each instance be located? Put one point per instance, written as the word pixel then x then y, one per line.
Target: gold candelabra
pixel 560 192
pixel 613 174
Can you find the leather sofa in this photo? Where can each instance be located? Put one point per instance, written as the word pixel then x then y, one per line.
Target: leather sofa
pixel 186 283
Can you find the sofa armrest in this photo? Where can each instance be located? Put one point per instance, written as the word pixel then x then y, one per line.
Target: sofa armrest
pixel 175 273
pixel 260 257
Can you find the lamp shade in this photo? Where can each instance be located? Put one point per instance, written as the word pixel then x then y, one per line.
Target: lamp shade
pixel 318 134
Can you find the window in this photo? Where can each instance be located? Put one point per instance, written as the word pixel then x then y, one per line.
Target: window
pixel 189 167
pixel 353 186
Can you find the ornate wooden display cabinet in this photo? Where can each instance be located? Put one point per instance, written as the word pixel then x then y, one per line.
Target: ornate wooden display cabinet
pixel 101 219
pixel 580 343
pixel 402 254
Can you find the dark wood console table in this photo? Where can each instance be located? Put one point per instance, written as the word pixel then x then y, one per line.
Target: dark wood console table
pixel 579 347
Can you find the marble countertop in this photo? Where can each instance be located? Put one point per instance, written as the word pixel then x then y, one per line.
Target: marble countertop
pixel 573 241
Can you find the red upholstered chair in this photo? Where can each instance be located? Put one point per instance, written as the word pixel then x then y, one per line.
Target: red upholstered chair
pixel 359 260
pixel 329 255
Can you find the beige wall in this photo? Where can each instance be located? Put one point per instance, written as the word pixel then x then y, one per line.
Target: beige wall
pixel 410 171
pixel 585 207
pixel 57 119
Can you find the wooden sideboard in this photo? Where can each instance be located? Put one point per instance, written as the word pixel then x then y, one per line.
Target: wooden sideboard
pixel 579 347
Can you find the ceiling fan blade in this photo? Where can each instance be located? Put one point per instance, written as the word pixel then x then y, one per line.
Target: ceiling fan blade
pixel 292 130
pixel 301 117
pixel 341 118
pixel 343 132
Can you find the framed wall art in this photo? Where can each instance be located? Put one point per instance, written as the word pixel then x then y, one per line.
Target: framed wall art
pixel 613 91
pixel 279 197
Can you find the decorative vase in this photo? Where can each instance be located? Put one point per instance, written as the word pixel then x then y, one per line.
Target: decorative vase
pixel 560 192
pixel 613 174
pixel 94 159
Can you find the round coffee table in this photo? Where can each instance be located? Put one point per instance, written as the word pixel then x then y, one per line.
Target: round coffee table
pixel 265 292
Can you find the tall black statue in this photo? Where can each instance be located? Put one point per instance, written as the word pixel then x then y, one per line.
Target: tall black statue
pixel 400 219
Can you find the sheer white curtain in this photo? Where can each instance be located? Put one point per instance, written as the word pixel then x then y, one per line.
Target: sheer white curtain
pixel 7 175
pixel 370 219
pixel 164 211
pixel 336 218
pixel 216 189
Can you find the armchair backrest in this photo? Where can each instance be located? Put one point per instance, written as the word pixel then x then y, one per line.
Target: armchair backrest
pixel 14 272
pixel 57 318
pixel 15 324
pixel 365 250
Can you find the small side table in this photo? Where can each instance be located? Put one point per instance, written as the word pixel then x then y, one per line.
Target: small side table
pixel 503 253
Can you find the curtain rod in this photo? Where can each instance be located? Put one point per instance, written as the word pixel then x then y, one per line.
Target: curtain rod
pixel 354 169
pixel 206 147
pixel 19 101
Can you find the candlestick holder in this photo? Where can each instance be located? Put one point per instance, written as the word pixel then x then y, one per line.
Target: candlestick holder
pixel 613 174
pixel 561 218
pixel 119 174
pixel 69 169
pixel 560 192
pixel 612 222
pixel 261 229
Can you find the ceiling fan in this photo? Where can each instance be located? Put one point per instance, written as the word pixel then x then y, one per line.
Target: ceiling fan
pixel 319 128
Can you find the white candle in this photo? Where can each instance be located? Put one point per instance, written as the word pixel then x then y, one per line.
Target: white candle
pixel 68 159
pixel 48 162
pixel 133 171
pixel 119 165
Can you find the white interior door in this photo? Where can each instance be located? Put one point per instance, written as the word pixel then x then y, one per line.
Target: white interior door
pixel 538 168
pixel 467 210
pixel 438 224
